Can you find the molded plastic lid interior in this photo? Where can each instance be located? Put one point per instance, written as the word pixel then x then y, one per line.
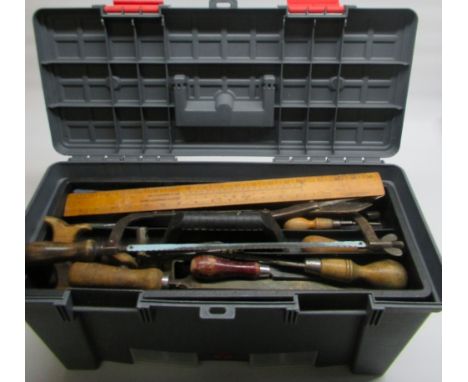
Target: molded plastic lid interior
pixel 226 81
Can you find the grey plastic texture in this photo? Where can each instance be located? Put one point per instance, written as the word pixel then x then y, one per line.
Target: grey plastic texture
pixel 220 81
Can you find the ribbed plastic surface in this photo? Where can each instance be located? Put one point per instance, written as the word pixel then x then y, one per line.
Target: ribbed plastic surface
pixel 226 81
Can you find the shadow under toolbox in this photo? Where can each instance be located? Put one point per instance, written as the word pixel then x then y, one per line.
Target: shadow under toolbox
pixel 129 88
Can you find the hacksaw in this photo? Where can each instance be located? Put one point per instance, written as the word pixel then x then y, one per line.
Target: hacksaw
pixel 225 194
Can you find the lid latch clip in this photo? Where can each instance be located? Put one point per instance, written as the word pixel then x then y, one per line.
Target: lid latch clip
pixel 315 6
pixel 133 6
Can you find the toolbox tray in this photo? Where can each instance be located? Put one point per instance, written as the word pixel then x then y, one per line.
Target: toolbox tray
pixel 127 94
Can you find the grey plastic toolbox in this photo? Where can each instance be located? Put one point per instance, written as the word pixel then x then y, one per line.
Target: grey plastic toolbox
pixel 320 92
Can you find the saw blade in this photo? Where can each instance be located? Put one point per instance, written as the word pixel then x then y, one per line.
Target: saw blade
pixel 215 247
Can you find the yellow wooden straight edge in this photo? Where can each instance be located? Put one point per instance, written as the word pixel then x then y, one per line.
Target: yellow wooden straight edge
pixel 225 194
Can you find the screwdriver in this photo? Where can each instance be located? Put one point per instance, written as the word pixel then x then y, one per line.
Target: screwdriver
pixel 386 274
pixel 302 224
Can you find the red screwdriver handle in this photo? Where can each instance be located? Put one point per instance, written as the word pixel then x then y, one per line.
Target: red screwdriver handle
pixel 208 268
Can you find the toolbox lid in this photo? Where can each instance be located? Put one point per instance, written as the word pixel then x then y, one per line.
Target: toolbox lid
pixel 213 81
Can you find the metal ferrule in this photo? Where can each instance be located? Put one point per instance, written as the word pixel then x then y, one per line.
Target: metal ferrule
pixel 312 266
pixel 265 271
pixel 340 223
pixel 165 282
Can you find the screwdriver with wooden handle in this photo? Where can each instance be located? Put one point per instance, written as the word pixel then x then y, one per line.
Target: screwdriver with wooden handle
pixel 385 274
pixel 302 224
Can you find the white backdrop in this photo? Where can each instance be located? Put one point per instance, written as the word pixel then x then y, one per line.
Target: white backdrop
pixel 419 156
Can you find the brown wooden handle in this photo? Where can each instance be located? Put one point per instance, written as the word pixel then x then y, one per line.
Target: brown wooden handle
pixel 328 250
pixel 216 268
pixel 387 274
pixel 62 232
pixel 108 276
pixel 50 252
pixel 302 224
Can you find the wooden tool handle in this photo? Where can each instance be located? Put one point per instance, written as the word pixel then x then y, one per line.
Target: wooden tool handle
pixel 50 252
pixel 63 232
pixel 387 274
pixel 302 224
pixel 215 268
pixel 108 276
pixel 328 250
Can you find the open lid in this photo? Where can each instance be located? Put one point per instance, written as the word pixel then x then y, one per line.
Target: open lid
pixel 216 81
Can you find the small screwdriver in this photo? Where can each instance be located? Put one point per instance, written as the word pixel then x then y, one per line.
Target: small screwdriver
pixel 302 224
pixel 387 274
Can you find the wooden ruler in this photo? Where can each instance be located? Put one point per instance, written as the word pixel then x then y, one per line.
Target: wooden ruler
pixel 225 194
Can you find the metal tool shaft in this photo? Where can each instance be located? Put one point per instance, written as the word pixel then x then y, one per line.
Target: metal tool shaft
pixel 209 247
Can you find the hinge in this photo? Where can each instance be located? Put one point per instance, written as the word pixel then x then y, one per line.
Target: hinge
pixel 123 158
pixel 315 6
pixel 327 160
pixel 133 6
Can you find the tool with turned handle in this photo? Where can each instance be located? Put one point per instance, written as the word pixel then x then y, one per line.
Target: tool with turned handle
pixel 92 275
pixel 217 268
pixel 108 276
pixel 302 224
pixel 386 274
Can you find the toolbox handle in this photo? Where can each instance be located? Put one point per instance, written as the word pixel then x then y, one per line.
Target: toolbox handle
pixel 215 3
pixel 224 108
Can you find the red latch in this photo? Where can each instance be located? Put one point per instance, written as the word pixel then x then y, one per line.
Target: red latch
pixel 315 6
pixel 134 6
